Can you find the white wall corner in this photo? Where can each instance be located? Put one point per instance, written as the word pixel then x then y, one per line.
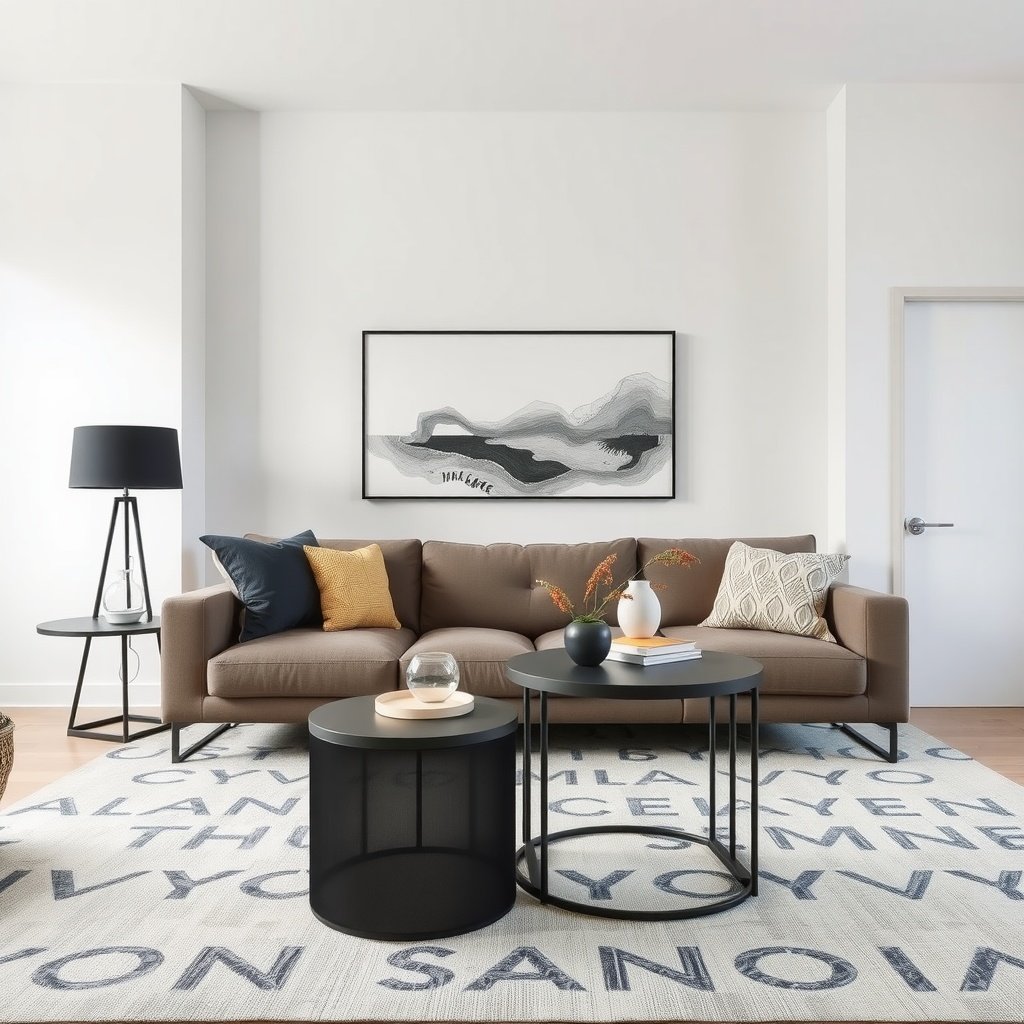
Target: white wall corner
pixel 193 338
pixel 835 145
pixel 236 490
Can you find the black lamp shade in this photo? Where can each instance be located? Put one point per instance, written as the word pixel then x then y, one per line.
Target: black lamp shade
pixel 142 458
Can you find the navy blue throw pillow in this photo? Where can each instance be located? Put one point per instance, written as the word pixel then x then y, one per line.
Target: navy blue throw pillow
pixel 274 582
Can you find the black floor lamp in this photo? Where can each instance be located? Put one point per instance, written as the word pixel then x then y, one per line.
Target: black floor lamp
pixel 123 458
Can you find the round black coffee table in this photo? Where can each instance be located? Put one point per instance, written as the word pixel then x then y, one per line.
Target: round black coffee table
pixel 411 822
pixel 712 676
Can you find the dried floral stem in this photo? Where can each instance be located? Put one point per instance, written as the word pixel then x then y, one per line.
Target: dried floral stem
pixel 602 576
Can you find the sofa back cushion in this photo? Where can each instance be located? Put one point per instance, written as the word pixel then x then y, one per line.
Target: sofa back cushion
pixel 690 593
pixel 493 586
pixel 402 559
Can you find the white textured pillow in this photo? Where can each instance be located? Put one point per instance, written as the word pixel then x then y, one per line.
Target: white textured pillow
pixel 765 589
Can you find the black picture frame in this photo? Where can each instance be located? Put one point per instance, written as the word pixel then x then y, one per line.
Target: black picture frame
pixel 625 451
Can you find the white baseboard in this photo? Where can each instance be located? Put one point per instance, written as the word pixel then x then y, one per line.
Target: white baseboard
pixel 59 695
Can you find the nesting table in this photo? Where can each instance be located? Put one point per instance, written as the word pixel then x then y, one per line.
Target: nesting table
pixel 713 676
pixel 412 822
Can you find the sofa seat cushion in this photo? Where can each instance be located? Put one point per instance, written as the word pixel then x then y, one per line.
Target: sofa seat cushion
pixel 793 665
pixel 481 654
pixel 310 663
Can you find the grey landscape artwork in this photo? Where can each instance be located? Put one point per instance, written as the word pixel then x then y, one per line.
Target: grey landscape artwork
pixel 504 414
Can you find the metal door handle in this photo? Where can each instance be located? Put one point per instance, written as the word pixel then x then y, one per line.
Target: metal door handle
pixel 916 526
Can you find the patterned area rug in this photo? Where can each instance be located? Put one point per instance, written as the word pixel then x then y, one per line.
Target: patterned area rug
pixel 136 890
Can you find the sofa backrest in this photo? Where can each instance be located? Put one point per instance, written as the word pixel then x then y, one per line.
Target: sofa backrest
pixel 402 559
pixel 690 593
pixel 493 586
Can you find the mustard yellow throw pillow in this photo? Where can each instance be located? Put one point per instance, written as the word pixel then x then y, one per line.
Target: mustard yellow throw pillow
pixel 353 586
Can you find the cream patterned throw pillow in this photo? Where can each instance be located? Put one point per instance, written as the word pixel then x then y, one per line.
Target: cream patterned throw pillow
pixel 765 589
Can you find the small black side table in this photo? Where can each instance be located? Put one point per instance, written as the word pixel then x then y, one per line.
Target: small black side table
pixel 90 628
pixel 411 823
pixel 714 675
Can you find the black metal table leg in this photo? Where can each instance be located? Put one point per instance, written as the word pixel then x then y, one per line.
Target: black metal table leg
pixel 527 766
pixel 732 775
pixel 755 772
pixel 78 686
pixel 124 688
pixel 544 796
pixel 712 770
pixel 87 730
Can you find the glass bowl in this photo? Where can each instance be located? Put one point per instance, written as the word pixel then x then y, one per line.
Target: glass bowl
pixel 432 676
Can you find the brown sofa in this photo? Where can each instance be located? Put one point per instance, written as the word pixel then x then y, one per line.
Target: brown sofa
pixel 482 604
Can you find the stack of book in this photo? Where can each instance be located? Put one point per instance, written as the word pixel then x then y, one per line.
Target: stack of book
pixel 652 650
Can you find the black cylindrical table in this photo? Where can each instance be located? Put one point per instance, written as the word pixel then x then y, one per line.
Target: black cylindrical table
pixel 412 822
pixel 713 675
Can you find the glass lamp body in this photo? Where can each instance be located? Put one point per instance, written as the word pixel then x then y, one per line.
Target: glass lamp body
pixel 432 676
pixel 122 600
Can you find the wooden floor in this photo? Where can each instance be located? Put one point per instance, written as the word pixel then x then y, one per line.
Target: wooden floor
pixel 995 736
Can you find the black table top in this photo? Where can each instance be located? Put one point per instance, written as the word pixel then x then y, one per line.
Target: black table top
pixel 712 675
pixel 88 626
pixel 353 722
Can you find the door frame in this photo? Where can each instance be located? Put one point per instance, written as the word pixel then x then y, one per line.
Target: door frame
pixel 899 298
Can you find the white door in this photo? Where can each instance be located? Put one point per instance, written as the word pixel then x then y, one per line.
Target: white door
pixel 964 464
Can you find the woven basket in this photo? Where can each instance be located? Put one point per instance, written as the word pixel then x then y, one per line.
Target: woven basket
pixel 6 750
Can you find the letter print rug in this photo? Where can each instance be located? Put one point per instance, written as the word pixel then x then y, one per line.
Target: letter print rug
pixel 132 889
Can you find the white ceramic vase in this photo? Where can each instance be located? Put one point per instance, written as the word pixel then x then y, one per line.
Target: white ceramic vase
pixel 640 616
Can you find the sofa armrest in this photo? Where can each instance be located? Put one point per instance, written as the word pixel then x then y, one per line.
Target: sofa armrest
pixel 876 626
pixel 193 628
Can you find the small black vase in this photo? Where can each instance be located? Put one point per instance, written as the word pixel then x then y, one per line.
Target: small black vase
pixel 588 643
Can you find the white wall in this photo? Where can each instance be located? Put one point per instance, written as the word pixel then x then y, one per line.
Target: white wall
pixel 318 226
pixel 835 148
pixel 90 332
pixel 711 224
pixel 193 341
pixel 235 488
pixel 933 198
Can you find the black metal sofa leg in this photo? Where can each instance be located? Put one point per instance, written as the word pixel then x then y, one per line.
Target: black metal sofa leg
pixel 177 754
pixel 892 755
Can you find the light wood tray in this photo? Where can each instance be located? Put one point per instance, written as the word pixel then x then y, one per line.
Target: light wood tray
pixel 402 704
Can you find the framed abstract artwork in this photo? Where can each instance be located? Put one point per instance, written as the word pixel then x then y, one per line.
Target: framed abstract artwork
pixel 518 414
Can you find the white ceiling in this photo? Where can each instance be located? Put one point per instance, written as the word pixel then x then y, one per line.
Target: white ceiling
pixel 513 54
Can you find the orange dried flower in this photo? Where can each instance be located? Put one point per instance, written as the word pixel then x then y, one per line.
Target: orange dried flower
pixel 594 607
pixel 601 575
pixel 559 596
pixel 675 556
